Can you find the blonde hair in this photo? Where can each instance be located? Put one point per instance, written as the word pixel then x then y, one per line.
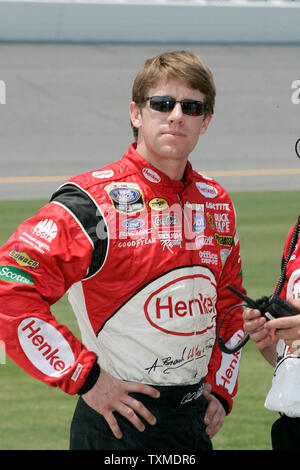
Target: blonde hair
pixel 183 66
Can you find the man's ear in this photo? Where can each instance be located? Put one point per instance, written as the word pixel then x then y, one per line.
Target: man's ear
pixel 205 124
pixel 135 115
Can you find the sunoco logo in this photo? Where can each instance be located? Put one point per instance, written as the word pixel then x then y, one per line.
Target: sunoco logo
pixel 172 309
pixel 45 347
pixel 22 258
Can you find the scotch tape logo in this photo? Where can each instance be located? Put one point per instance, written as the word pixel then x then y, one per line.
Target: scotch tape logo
pixel 45 347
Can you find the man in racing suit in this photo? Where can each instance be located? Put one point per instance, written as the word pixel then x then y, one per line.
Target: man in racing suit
pixel 278 340
pixel 144 247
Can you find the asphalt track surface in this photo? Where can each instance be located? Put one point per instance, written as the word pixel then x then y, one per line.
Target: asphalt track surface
pixel 66 112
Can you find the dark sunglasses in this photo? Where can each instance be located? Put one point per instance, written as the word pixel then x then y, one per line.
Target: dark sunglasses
pixel 166 104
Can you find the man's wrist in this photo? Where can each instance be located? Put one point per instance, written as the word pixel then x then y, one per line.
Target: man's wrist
pixel 223 402
pixel 91 379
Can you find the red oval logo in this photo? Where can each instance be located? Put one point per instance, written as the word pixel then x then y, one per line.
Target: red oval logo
pixel 184 306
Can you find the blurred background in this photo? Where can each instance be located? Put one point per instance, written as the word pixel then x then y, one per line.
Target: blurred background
pixel 69 65
pixel 66 72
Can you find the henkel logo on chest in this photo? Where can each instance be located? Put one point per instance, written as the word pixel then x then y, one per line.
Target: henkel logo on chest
pixel 183 306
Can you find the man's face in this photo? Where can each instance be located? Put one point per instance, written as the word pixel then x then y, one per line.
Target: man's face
pixel 172 134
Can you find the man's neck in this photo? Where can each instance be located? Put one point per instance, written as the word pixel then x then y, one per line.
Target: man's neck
pixel 172 167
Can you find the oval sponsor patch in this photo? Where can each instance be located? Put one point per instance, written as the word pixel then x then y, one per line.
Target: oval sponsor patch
pixel 184 306
pixel 207 190
pixel 45 347
pixel 133 224
pixel 158 204
pixel 151 175
pixel 102 174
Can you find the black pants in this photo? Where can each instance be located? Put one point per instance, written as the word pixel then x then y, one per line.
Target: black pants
pixel 179 412
pixel 286 433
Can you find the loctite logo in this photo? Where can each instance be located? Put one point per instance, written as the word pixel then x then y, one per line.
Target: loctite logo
pixel 173 309
pixel 45 347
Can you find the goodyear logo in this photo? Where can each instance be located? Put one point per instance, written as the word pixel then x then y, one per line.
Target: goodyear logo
pixel 22 258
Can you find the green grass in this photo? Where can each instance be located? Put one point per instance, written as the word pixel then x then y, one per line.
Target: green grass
pixel 34 416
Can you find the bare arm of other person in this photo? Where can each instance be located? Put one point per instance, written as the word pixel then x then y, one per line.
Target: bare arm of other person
pixel 267 333
pixel 265 339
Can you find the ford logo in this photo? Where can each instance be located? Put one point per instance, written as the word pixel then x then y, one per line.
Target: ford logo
pixel 133 224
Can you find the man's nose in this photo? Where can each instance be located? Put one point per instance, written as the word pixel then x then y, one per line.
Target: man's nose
pixel 176 113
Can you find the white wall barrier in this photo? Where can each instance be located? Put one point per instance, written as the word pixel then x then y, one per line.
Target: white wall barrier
pixel 202 21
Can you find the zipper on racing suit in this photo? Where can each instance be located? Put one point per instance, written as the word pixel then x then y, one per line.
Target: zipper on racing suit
pixel 189 244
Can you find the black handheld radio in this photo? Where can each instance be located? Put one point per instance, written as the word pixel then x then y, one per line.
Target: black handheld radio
pixel 270 307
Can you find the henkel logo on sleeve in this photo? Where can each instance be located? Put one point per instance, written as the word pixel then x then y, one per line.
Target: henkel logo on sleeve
pixel 227 374
pixel 46 229
pixel 45 347
pixel 296 290
pixel 293 287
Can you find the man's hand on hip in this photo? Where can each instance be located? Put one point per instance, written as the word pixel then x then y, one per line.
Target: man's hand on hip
pixel 110 394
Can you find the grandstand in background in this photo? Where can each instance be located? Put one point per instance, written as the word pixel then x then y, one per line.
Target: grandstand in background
pixel 150 21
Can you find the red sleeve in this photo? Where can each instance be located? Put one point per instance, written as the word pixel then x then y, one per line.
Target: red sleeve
pixel 290 289
pixel 223 368
pixel 40 261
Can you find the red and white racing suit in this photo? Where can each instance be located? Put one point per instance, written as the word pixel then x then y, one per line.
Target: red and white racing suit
pixel 145 261
pixel 284 395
